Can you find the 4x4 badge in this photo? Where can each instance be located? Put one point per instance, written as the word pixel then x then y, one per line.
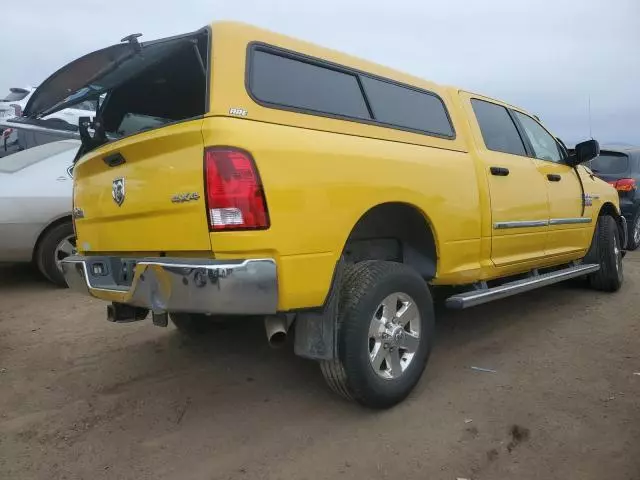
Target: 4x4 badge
pixel 117 191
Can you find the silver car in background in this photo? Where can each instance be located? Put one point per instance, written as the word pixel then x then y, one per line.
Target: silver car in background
pixel 35 207
pixel 15 102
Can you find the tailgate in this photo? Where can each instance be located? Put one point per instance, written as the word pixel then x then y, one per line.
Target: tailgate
pixel 144 193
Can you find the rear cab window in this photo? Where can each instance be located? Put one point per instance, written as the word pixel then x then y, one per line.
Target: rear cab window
pixel 498 130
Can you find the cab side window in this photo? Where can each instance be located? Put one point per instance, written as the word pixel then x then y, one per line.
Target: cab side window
pixel 544 145
pixel 498 130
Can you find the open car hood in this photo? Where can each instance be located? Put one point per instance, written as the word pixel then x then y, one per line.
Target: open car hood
pixel 96 73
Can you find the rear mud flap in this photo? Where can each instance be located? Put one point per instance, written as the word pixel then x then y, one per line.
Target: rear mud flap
pixel 316 332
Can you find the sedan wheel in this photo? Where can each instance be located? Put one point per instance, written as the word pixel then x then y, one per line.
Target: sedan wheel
pixel 65 248
pixel 56 244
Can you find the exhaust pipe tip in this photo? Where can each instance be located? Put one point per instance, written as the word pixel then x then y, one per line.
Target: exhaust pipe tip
pixel 277 328
pixel 278 339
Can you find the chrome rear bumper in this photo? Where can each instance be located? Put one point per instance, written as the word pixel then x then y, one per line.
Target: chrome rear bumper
pixel 243 287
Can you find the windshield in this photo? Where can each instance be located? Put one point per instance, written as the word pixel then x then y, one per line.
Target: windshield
pixel 610 163
pixel 16 95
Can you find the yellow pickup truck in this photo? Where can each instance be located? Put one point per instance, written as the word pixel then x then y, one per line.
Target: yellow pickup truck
pixel 234 172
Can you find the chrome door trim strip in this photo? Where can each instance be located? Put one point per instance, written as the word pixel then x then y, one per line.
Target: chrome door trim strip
pixel 541 223
pixel 520 224
pixel 569 221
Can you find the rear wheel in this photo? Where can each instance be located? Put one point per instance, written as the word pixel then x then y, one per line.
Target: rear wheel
pixel 57 244
pixel 606 250
pixel 385 332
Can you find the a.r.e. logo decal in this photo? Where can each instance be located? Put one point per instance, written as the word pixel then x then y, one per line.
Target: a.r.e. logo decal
pixel 238 112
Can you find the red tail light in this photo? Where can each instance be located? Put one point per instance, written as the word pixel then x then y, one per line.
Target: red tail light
pixel 17 109
pixel 624 184
pixel 235 197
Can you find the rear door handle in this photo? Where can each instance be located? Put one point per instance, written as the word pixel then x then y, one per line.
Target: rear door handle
pixel 499 171
pixel 552 177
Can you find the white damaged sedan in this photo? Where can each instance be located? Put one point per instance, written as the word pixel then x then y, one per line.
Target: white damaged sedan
pixel 35 207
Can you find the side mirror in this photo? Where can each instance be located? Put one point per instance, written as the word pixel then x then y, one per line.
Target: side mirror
pixel 584 152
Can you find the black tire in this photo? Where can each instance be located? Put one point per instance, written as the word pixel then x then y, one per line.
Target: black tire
pixel 634 240
pixel 47 254
pixel 607 252
pixel 365 285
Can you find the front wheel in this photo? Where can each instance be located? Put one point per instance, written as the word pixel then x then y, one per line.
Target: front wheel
pixel 634 233
pixel 606 250
pixel 385 333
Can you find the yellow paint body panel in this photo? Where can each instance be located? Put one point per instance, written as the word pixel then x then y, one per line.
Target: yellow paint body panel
pixel 159 164
pixel 313 209
pixel 320 176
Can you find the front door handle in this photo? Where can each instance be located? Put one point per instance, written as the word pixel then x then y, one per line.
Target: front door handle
pixel 499 171
pixel 553 177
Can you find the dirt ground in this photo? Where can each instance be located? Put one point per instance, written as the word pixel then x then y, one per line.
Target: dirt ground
pixel 81 398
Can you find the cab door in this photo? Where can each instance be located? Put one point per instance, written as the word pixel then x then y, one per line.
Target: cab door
pixel 569 229
pixel 518 194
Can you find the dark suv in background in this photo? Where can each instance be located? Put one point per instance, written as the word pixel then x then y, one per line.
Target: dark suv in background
pixel 620 166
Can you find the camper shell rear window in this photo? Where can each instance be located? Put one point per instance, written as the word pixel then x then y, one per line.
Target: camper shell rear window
pixel 136 86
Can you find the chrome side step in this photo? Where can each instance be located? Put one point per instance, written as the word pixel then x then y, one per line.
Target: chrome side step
pixel 477 297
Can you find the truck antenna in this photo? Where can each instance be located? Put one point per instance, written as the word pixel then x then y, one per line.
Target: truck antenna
pixel 590 131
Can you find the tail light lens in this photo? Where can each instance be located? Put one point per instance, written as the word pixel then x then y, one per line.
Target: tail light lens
pixel 235 197
pixel 17 109
pixel 624 184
